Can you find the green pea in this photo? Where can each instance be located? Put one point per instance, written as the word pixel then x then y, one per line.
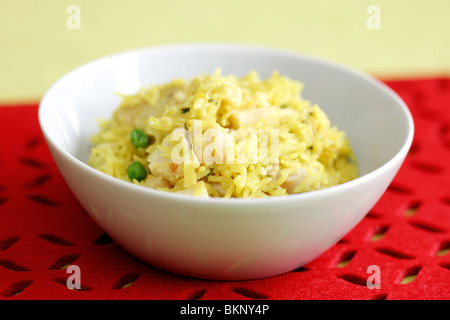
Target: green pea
pixel 139 139
pixel 136 171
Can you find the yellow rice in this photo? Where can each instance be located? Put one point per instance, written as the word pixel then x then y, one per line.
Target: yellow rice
pixel 310 153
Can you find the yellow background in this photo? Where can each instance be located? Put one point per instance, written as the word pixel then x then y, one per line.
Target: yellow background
pixel 37 47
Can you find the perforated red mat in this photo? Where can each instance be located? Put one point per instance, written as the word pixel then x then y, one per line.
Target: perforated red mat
pixel 407 234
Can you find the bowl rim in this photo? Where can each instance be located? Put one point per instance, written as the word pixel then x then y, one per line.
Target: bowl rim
pixel 394 160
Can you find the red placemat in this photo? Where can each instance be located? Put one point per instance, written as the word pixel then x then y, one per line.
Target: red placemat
pixel 406 236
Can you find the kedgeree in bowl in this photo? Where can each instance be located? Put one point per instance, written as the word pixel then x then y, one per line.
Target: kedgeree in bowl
pixel 210 219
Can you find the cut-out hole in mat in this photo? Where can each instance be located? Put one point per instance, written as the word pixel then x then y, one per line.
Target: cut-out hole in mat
pixel 345 259
pixel 444 249
pixel 38 181
pixel 380 296
pixel 126 280
pixel 394 253
pixel 3 200
pixel 410 275
pixel 300 269
pixel 103 239
pixel 64 261
pixel 56 240
pixel 446 265
pixel 426 227
pixel 412 209
pixel 414 149
pixel 16 288
pixel 399 189
pixel 354 279
pixel 250 293
pixel 7 243
pixel 444 132
pixel 427 167
pixel 372 215
pixel 446 201
pixel 33 142
pixel 197 295
pixel 379 233
pixel 44 200
pixel 31 162
pixel 11 265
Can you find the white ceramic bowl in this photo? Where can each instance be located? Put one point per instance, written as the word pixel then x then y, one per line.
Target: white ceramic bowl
pixel 219 238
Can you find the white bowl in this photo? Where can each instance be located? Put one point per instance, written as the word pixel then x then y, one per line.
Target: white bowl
pixel 217 238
